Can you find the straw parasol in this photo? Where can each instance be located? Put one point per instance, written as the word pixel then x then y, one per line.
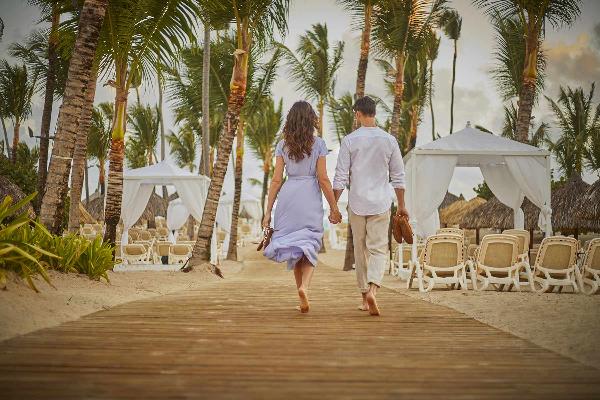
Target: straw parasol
pixel 85 216
pixel 494 214
pixel 454 213
pixel 565 203
pixel 156 206
pixel 588 205
pixel 7 188
pixel 449 198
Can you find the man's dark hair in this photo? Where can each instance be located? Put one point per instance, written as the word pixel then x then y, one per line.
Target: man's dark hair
pixel 366 106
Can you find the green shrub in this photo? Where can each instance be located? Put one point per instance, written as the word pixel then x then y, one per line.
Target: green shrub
pixel 27 248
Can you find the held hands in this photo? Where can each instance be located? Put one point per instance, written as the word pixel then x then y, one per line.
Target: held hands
pixel 335 216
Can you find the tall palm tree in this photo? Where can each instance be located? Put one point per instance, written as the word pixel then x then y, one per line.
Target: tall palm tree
pixel 579 122
pixel 17 86
pixel 433 47
pixel 74 102
pixel 534 16
pixel 592 153
pixel 144 122
pixel 451 23
pixel 148 32
pixel 183 147
pixel 263 131
pixel 99 140
pixel 205 161
pixel 397 27
pixel 342 115
pixel 313 68
pixel 255 23
pixel 509 129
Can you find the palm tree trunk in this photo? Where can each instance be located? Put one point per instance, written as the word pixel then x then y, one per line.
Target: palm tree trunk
pixel 48 103
pixel 365 45
pixel 321 110
pixel 205 160
pixel 80 155
pixel 114 194
pixel 15 146
pixel 398 93
pixel 165 194
pixel 86 176
pixel 265 187
pixel 527 95
pixel 414 122
pixel 5 138
pixel 431 100
pixel 237 193
pixel 452 88
pixel 102 177
pixel 80 72
pixel 237 96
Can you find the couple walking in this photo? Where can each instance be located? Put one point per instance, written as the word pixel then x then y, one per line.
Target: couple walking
pixel 369 159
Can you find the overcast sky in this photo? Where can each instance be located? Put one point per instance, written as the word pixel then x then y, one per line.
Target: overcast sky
pixel 573 59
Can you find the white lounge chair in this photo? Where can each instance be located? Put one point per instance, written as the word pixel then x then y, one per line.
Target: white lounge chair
pixel 523 237
pixel 135 254
pixel 589 275
pixel 442 262
pixel 556 263
pixel 179 253
pixel 498 263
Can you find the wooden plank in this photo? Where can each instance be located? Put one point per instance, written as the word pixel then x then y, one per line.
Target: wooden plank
pixel 242 338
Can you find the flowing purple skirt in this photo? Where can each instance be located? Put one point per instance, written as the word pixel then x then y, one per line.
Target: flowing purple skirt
pixel 298 222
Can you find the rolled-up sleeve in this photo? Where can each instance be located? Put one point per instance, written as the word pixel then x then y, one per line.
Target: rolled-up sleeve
pixel 397 174
pixel 342 169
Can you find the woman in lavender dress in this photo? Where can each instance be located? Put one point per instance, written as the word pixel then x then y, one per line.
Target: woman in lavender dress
pixel 298 225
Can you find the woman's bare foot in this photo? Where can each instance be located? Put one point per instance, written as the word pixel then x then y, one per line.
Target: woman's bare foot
pixel 304 305
pixel 372 302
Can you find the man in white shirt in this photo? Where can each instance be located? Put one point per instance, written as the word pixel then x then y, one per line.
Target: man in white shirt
pixel 368 161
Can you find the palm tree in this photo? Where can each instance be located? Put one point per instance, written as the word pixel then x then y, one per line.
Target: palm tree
pixel 342 115
pixel 17 87
pixel 75 100
pixel 255 22
pixel 579 123
pixel 451 23
pixel 592 154
pixel 148 32
pixel 183 147
pixel 314 69
pixel 509 129
pixel 263 131
pixel 99 140
pixel 144 135
pixel 397 27
pixel 534 15
pixel 433 47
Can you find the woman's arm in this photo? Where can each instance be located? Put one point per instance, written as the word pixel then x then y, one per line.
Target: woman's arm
pixel 326 188
pixel 274 188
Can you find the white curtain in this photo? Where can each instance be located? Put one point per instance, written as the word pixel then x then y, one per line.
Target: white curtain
pixel 252 208
pixel 223 220
pixel 428 178
pixel 193 195
pixel 531 175
pixel 504 186
pixel 177 215
pixel 135 200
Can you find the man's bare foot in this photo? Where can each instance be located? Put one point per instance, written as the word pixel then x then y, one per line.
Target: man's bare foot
pixel 363 307
pixel 372 302
pixel 304 305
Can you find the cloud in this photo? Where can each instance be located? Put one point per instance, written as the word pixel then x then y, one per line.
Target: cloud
pixel 573 64
pixel 596 32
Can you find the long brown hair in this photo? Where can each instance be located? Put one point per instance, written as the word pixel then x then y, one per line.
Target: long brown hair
pixel 298 131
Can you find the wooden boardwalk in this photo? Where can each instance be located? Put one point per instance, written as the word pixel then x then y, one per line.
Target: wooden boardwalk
pixel 242 339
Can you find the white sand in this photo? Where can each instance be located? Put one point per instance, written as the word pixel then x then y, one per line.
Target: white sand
pixel 566 323
pixel 22 310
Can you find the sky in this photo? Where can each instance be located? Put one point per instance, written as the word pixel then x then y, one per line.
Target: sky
pixel 573 56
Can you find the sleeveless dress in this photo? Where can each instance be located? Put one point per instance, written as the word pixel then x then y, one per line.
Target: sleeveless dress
pixel 298 220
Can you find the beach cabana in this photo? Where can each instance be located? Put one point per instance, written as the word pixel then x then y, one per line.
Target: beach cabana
pixel 512 170
pixel 138 186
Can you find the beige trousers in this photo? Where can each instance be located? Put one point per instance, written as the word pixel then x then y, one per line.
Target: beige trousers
pixel 370 238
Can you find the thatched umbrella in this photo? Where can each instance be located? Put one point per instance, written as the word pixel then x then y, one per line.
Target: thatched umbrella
pixel 565 203
pixel 85 216
pixel 588 205
pixel 95 206
pixel 7 188
pixel 454 214
pixel 156 206
pixel 449 198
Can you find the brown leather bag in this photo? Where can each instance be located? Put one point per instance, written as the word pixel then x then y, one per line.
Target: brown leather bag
pixel 267 233
pixel 401 229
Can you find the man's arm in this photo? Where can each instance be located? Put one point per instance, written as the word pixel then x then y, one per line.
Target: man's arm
pixel 342 170
pixel 397 178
